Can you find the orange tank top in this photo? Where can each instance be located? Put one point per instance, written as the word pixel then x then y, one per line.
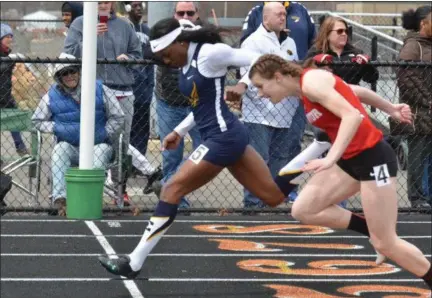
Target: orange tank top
pixel 367 134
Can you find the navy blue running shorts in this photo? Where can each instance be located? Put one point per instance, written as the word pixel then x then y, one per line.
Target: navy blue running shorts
pixel 223 148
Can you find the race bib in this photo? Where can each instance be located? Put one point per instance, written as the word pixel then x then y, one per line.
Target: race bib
pixel 198 154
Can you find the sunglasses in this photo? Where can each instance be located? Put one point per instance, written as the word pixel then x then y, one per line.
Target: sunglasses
pixel 190 13
pixel 340 31
pixel 68 72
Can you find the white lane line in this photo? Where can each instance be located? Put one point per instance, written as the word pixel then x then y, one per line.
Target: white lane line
pixel 200 255
pixel 186 221
pixel 156 279
pixel 204 236
pixel 129 284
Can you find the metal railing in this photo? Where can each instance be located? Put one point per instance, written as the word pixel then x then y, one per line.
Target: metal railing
pixel 387 23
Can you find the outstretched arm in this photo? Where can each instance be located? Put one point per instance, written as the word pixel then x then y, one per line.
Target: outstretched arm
pixel 369 97
pixel 221 56
pixel 400 112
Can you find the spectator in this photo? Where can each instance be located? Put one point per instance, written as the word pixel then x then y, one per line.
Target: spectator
pixel 415 90
pixel 143 86
pixel 70 11
pixel 116 40
pixel 275 130
pixel 172 106
pixel 6 69
pixel 298 21
pixel 332 39
pixel 301 28
pixel 59 113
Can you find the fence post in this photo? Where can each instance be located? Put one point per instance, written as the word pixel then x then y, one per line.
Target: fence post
pixel 394 35
pixel 84 186
pixel 88 85
pixel 374 49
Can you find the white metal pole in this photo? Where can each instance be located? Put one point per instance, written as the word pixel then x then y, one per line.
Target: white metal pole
pixel 225 9
pixel 88 85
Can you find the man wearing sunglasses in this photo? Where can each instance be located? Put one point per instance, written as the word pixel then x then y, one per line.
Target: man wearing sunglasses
pixel 58 113
pixel 186 11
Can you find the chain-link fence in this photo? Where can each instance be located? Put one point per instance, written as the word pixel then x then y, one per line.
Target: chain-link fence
pixel 40 134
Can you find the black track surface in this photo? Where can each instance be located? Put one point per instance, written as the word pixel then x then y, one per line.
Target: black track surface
pixel 49 258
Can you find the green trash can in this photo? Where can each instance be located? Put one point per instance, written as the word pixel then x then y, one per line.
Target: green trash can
pixel 84 192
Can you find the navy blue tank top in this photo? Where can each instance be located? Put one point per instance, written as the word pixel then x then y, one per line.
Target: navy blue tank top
pixel 211 113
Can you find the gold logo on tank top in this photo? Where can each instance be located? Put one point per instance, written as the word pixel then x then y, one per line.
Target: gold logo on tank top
pixel 193 98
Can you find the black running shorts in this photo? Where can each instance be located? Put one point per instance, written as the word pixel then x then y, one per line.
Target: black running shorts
pixel 378 163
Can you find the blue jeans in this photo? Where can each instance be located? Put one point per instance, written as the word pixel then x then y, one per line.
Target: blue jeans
pixel 143 91
pixel 65 155
pixel 16 135
pixel 140 131
pixel 419 168
pixel 277 146
pixel 168 118
pixel 18 141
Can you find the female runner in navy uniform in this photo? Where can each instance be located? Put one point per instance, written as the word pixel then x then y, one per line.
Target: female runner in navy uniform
pixel 204 60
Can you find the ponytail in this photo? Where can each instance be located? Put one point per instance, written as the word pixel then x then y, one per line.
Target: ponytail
pixel 411 19
pixel 267 65
pixel 206 34
pixel 185 30
pixel 310 63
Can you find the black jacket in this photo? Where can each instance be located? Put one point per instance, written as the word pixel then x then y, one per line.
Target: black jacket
pixel 415 82
pixel 350 74
pixel 167 86
pixel 6 69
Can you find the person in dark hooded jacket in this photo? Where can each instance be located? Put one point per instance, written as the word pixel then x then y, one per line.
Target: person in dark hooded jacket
pixel 70 11
pixel 6 69
pixel 414 89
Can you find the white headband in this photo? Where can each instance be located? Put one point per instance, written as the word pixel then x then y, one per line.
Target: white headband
pixel 164 41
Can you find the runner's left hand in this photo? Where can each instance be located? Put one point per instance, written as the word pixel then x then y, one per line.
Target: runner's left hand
pixel 318 165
